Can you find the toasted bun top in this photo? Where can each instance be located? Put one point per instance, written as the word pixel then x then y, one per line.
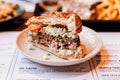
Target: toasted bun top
pixel 71 20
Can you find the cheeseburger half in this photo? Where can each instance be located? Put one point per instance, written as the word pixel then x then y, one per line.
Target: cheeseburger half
pixel 57 32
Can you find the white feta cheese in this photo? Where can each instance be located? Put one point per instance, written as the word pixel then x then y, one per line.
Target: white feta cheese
pixel 54 31
pixel 30 46
pixel 68 52
pixel 46 57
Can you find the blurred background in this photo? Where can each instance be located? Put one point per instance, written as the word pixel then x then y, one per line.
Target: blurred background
pixel 100 15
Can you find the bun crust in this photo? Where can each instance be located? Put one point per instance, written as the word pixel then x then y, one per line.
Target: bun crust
pixel 71 20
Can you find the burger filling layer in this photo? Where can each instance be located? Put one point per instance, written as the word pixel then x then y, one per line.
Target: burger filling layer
pixel 55 38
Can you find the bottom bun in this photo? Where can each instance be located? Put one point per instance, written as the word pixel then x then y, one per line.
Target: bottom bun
pixel 80 52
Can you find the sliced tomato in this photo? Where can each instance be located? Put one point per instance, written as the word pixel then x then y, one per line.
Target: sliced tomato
pixel 35 27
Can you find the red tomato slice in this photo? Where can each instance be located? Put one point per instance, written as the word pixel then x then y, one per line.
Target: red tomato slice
pixel 35 27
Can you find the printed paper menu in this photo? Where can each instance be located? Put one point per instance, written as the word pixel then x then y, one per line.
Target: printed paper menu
pixel 104 66
pixel 108 61
pixel 7 48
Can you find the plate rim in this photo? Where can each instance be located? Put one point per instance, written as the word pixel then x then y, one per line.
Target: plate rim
pixel 66 62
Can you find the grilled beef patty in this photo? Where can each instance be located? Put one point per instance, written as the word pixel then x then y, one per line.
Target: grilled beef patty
pixel 56 42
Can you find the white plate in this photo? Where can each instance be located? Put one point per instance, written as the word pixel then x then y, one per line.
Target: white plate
pixel 88 37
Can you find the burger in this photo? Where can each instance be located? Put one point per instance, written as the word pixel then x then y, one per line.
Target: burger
pixel 57 33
